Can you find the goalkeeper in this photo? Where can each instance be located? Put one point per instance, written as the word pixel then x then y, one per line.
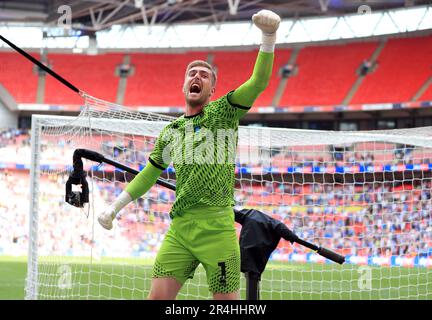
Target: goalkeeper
pixel 202 228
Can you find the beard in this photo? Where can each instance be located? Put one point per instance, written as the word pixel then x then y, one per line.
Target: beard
pixel 194 103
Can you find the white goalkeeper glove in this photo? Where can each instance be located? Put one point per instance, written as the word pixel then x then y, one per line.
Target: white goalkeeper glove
pixel 106 218
pixel 268 22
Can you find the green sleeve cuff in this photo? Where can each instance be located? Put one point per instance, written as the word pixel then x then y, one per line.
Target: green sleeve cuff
pixel 143 181
pixel 236 105
pixel 155 164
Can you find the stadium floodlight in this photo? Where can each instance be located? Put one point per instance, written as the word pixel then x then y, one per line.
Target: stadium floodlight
pixel 138 3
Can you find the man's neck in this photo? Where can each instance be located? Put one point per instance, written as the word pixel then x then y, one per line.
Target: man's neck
pixel 192 111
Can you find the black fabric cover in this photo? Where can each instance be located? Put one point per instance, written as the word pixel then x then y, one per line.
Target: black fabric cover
pixel 259 236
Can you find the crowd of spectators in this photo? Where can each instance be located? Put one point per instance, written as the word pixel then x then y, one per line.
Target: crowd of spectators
pixel 372 219
pixel 15 146
pixel 379 218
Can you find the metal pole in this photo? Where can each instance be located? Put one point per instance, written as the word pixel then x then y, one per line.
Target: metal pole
pixel 252 286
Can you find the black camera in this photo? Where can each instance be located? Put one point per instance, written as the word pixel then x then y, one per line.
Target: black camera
pixel 77 198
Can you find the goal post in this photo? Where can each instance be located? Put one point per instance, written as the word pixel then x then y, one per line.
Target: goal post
pixel 366 195
pixel 32 255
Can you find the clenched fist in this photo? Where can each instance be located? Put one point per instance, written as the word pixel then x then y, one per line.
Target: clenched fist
pixel 267 21
pixel 106 218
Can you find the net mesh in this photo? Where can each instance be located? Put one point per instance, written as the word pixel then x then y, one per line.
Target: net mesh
pixel 366 195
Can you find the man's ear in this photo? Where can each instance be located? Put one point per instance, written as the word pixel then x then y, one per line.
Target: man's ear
pixel 212 91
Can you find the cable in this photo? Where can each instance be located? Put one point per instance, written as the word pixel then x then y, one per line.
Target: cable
pixel 42 66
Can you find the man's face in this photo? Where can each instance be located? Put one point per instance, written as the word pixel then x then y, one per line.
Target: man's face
pixel 198 86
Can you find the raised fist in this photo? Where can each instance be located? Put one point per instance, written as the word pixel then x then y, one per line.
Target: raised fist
pixel 267 21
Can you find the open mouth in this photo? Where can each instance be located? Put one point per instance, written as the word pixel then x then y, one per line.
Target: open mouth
pixel 195 88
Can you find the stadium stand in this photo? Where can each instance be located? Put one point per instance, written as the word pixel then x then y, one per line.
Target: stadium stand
pixel 228 65
pixel 18 78
pixel 403 66
pixel 325 74
pixel 158 79
pixel 427 96
pixel 380 219
pixel 92 74
pixel 16 142
pixel 371 219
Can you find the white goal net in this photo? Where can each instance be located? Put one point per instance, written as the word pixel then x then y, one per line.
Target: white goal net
pixel 366 195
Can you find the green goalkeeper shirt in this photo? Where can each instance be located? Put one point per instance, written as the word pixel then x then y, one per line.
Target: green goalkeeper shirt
pixel 202 149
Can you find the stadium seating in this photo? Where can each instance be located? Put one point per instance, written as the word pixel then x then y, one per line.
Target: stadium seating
pixel 158 79
pixel 234 68
pixel 17 76
pixel 94 75
pixel 427 96
pixel 352 220
pixel 403 67
pixel 296 156
pixel 325 74
pixel 281 58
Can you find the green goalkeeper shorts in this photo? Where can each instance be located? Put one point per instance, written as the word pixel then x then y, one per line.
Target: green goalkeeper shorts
pixel 203 235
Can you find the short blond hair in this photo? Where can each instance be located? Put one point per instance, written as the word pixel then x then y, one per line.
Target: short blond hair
pixel 202 63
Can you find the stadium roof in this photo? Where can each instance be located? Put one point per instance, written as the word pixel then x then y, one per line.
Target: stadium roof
pixel 93 15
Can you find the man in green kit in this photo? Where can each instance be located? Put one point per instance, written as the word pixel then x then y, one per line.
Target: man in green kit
pixel 201 144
